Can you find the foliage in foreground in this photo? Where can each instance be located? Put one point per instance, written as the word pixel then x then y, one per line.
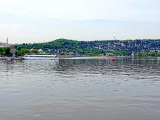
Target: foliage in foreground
pixel 4 51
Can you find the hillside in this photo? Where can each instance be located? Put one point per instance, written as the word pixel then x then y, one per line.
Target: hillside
pixel 117 47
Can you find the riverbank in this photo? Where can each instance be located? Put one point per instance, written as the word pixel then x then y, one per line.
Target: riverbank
pixel 10 58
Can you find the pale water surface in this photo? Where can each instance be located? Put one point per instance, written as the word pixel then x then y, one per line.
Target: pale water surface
pixel 80 89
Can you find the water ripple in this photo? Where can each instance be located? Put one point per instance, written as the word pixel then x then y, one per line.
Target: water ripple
pixel 80 89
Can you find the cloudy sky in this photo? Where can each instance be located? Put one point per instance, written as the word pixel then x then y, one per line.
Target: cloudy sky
pixel 28 21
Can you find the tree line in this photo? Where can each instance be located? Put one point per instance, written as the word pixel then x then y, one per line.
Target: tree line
pixel 146 47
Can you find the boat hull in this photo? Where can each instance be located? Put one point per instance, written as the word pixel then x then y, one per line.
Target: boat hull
pixel 39 57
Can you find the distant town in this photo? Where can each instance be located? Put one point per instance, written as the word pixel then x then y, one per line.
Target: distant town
pixel 138 47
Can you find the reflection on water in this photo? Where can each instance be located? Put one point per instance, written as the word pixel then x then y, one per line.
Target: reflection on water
pixel 80 89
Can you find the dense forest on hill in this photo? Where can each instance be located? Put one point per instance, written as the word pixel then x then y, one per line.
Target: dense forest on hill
pixel 145 47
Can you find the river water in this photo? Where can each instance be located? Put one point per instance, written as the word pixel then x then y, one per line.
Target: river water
pixel 80 89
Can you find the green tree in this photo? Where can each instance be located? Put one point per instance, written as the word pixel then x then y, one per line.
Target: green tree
pixel 34 51
pixel 5 51
pixel 22 51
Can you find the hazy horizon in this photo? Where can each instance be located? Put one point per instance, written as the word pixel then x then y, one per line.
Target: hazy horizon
pixel 43 21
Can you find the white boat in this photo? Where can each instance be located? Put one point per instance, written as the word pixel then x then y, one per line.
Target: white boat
pixel 40 57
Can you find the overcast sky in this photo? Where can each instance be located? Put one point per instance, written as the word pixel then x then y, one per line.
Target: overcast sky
pixel 28 21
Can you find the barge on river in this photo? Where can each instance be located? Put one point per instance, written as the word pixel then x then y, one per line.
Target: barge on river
pixel 40 57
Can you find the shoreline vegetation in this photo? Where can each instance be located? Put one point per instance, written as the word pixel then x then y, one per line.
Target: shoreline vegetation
pixel 65 48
